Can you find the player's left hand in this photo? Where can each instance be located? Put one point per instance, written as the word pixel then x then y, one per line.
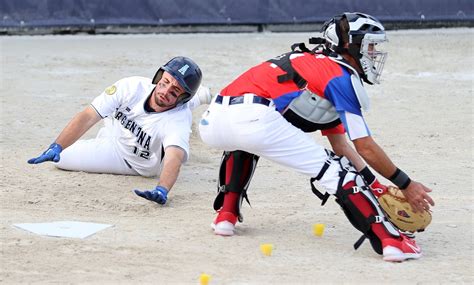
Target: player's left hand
pixel 400 212
pixel 51 154
pixel 158 195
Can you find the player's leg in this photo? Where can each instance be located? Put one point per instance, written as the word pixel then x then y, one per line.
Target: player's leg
pixel 247 128
pixel 352 193
pixel 97 155
pixel 365 214
pixel 340 179
pixel 235 174
pixel 268 135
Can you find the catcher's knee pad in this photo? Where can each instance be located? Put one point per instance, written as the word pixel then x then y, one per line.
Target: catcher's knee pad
pixel 235 172
pixel 363 211
pixel 340 165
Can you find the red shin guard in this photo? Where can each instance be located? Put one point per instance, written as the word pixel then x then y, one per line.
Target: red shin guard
pixel 365 214
pixel 367 210
pixel 239 168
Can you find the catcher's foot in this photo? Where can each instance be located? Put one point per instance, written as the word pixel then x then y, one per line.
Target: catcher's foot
pixel 400 250
pixel 224 224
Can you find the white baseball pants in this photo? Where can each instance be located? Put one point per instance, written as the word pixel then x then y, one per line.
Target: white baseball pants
pixel 98 155
pixel 261 130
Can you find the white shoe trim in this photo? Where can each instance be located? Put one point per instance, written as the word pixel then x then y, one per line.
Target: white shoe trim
pixel 391 253
pixel 223 228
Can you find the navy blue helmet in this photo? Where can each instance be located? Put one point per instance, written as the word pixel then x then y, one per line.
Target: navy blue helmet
pixel 186 72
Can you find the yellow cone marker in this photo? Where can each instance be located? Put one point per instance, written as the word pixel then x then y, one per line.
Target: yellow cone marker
pixel 318 229
pixel 204 279
pixel 266 249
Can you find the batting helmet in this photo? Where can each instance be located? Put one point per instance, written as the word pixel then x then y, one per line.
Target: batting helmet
pixel 186 72
pixel 363 32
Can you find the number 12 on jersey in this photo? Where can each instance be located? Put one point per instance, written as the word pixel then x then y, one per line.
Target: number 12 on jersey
pixel 141 153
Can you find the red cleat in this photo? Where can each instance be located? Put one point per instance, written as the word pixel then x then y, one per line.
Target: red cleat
pixel 224 224
pixel 400 249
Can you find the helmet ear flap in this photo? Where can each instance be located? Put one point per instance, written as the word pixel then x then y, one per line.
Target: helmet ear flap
pixel 336 33
pixel 183 98
pixel 157 76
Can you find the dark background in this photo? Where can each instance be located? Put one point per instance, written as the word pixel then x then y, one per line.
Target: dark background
pixel 216 15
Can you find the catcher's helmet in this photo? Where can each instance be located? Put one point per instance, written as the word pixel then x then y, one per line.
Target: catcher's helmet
pixel 186 72
pixel 363 34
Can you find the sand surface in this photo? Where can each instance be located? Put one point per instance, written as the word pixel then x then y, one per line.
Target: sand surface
pixel 422 115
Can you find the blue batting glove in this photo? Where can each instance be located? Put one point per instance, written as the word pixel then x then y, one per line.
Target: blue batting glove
pixel 51 154
pixel 158 195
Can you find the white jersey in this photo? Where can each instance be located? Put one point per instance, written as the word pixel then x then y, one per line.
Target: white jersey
pixel 142 135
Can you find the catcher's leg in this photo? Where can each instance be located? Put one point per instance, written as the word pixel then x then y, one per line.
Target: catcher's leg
pixel 365 214
pixel 236 171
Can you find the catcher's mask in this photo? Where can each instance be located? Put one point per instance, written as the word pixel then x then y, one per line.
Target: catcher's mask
pixel 365 34
pixel 186 72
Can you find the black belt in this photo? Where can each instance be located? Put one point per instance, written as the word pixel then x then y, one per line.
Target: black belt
pixel 240 99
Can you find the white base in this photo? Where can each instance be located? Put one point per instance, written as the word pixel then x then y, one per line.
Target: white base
pixel 69 229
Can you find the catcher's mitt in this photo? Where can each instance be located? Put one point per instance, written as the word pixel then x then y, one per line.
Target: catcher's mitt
pixel 400 213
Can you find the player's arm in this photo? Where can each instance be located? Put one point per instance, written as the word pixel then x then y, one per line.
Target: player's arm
pixel 373 154
pixel 341 147
pixel 172 161
pixel 346 102
pixel 174 157
pixel 82 122
pixel 78 126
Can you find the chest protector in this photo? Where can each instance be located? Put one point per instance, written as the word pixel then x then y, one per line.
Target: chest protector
pixel 308 112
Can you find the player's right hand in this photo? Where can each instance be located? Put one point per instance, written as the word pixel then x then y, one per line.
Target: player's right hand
pixel 51 154
pixel 417 195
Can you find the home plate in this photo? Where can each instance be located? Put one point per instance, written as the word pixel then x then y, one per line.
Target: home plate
pixel 63 228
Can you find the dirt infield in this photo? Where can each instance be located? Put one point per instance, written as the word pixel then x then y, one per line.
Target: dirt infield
pixel 422 115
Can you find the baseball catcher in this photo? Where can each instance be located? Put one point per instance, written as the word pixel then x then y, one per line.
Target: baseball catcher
pixel 266 111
